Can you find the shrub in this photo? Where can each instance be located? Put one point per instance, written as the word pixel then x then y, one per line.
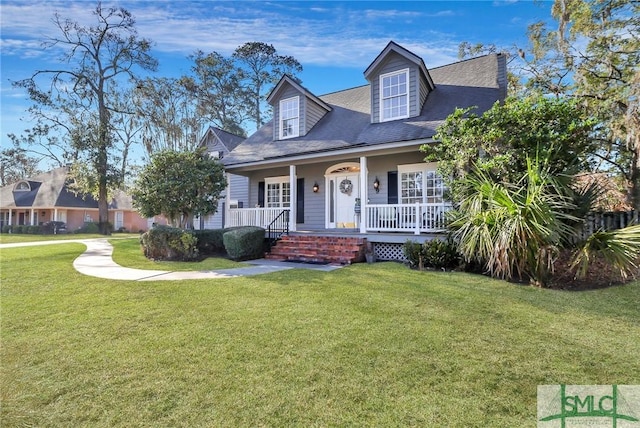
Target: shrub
pixel 169 243
pixel 435 254
pixel 210 241
pixel 18 229
pixel 6 228
pixel 33 230
pixel 89 227
pixel 244 243
pixel 413 253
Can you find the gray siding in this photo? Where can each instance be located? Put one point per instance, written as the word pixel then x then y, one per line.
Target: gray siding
pixel 313 113
pixel 239 190
pixel 288 92
pixel 395 62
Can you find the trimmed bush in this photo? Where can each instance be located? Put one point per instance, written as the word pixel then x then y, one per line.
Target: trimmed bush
pixel 18 229
pixel 434 254
pixel 169 243
pixel 6 228
pixel 89 227
pixel 210 241
pixel 244 243
pixel 33 230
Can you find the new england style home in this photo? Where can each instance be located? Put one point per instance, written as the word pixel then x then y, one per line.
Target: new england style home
pixel 348 163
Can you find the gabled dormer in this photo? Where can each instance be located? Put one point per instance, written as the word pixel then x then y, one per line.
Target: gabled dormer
pixel 400 84
pixel 295 109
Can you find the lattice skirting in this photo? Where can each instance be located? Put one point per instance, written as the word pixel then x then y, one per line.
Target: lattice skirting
pixel 389 251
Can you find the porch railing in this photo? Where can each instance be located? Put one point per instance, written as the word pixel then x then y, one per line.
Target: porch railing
pixel 416 218
pixel 261 217
pixel 278 227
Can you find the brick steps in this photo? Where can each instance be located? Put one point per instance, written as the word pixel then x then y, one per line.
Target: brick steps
pixel 319 249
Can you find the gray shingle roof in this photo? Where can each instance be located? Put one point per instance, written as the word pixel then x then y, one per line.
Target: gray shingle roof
pixel 49 190
pixel 475 82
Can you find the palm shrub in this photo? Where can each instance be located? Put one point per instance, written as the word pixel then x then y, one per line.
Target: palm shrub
pixel 515 230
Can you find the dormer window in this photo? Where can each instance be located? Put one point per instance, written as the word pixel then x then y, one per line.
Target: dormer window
pixel 289 117
pixel 22 186
pixel 394 95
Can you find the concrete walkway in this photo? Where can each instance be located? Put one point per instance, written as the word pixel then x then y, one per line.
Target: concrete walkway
pixel 97 261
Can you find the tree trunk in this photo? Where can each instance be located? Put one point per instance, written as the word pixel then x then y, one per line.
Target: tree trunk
pixel 635 180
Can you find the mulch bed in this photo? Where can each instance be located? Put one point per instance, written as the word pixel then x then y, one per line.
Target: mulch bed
pixel 599 275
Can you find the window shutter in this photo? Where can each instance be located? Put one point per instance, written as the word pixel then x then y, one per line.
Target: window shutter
pixel 300 200
pixel 261 194
pixel 392 187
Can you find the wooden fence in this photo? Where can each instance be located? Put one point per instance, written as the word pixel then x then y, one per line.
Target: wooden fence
pixel 606 221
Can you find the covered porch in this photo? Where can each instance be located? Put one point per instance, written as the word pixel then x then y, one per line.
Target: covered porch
pixel 415 218
pixel 385 192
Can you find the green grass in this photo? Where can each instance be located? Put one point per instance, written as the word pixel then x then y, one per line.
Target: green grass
pixel 10 238
pixel 128 253
pixel 367 345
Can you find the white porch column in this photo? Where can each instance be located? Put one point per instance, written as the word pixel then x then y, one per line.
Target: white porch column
pixel 364 196
pixel 32 221
pixel 55 214
pixel 227 198
pixel 10 217
pixel 293 198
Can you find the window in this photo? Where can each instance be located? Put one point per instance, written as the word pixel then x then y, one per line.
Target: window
pixel 394 95
pixel 420 183
pixel 278 191
pixel 289 118
pixel 22 186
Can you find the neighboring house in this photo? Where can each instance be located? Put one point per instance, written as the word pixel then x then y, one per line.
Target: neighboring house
pixel 219 143
pixel 47 197
pixel 349 163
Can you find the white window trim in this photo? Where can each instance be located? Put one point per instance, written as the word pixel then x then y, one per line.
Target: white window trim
pixel 281 119
pixel 381 98
pixel 284 179
pixel 416 167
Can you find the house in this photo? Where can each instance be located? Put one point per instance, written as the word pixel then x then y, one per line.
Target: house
pixel 218 144
pixel 48 197
pixel 348 164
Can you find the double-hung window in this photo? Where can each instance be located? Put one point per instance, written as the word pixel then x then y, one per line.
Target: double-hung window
pixel 420 183
pixel 289 117
pixel 394 95
pixel 278 194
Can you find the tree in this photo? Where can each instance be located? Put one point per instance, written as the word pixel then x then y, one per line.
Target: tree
pixel 179 185
pixel 593 55
pixel 263 68
pixel 220 95
pixel 502 139
pixel 16 164
pixel 168 108
pixel 96 57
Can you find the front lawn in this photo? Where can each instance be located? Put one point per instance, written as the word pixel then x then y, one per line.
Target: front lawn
pixel 367 345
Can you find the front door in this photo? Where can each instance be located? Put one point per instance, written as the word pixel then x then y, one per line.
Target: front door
pixel 343 200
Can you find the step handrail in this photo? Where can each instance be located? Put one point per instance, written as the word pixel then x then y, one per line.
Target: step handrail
pixel 278 227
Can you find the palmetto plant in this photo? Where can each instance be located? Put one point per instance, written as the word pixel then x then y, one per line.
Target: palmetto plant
pixel 515 230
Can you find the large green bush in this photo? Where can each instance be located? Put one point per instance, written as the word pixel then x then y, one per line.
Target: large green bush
pixel 434 254
pixel 210 241
pixel 244 243
pixel 169 243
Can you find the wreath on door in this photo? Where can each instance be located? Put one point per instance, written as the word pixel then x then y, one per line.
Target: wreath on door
pixel 346 186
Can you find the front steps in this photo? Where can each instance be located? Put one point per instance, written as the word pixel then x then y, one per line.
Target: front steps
pixel 319 249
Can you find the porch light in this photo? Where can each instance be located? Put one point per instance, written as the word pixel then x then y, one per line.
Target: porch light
pixel 376 185
pixel 316 187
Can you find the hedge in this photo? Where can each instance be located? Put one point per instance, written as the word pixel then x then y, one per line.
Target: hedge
pixel 244 243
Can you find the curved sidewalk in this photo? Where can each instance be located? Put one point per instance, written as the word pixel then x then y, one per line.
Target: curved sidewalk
pixel 97 261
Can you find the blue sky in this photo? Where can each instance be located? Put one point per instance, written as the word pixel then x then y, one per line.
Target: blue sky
pixel 334 41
